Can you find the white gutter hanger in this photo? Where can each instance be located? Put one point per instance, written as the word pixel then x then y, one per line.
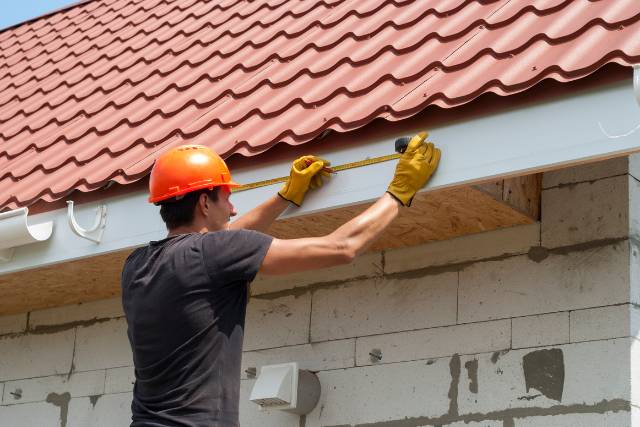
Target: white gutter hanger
pixel 14 231
pixel 636 90
pixel 95 233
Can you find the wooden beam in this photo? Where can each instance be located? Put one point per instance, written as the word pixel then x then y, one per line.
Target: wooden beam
pixel 436 215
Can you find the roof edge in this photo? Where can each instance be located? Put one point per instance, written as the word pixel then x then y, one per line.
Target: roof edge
pixel 430 116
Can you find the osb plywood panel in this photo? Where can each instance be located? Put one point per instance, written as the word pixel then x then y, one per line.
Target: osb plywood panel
pixel 433 216
pixel 72 282
pixel 437 215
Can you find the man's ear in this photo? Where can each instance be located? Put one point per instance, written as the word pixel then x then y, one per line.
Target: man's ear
pixel 204 204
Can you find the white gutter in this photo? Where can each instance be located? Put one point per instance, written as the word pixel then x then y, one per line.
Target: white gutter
pixel 14 231
pixel 516 141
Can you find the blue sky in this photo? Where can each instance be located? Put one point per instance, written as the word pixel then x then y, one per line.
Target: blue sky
pixel 16 11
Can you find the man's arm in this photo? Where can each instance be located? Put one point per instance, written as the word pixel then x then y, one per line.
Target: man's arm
pixel 339 248
pixel 342 246
pixel 261 217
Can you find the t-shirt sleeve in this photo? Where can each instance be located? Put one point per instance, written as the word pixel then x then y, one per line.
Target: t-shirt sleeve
pixel 233 255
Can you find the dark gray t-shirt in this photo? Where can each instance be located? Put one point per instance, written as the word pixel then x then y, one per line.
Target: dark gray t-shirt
pixel 185 301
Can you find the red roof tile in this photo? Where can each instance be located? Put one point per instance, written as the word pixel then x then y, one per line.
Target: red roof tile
pixel 96 92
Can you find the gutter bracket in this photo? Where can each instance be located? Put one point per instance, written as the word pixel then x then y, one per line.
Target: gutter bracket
pixel 636 90
pixel 6 254
pixel 14 231
pixel 95 233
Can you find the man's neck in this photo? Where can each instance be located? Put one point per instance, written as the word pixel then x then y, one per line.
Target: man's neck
pixel 187 229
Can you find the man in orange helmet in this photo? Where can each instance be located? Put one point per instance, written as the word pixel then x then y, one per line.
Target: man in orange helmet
pixel 185 296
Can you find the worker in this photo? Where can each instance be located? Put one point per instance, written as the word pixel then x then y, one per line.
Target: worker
pixel 185 296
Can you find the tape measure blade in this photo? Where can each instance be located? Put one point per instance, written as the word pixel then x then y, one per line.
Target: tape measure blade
pixel 335 169
pixel 259 184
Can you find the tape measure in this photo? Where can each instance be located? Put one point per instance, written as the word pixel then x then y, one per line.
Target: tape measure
pixel 335 169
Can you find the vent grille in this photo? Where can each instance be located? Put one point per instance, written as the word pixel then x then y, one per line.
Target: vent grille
pixel 270 401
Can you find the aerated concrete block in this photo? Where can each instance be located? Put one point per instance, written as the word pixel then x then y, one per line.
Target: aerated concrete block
pixel 585 212
pixel 36 355
pixel 607 419
pixel 634 267
pixel 365 266
pixel 597 371
pixel 119 380
pixel 384 305
pixel 604 322
pixel 379 394
pixel 312 357
pixel 435 342
pixel 635 372
pixel 277 322
pixel 102 346
pixel 473 247
pixel 13 323
pixel 634 165
pixel 533 284
pixel 582 375
pixel 38 389
pixel 250 415
pixel 40 414
pixel 587 172
pixel 109 410
pixel 541 330
pixel 83 312
pixel 634 208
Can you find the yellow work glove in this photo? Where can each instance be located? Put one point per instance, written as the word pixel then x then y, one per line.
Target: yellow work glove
pixel 414 169
pixel 302 177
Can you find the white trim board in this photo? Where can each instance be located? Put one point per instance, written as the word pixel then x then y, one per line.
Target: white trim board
pixel 521 140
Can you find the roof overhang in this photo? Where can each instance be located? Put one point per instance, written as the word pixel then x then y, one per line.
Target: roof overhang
pixel 513 142
pixel 471 192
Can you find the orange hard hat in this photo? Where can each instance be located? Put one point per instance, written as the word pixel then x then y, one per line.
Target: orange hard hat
pixel 187 168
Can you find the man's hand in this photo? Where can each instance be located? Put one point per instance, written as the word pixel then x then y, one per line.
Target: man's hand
pixel 414 169
pixel 302 177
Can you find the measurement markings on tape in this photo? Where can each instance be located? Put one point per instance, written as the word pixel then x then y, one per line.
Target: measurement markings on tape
pixel 335 169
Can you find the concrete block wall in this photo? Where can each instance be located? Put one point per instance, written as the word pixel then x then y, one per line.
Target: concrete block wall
pixel 66 366
pixel 527 326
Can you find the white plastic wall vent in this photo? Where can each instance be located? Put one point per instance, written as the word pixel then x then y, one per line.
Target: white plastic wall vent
pixel 286 388
pixel 14 231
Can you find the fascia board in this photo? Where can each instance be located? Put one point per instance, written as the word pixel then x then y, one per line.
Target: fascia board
pixel 533 137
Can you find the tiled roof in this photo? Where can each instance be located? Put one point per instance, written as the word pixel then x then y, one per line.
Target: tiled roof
pixel 96 92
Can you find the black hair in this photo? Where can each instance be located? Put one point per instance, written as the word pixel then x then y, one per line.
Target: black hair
pixel 178 213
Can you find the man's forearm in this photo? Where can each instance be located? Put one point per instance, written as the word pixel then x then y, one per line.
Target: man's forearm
pixel 262 216
pixel 362 231
pixel 338 248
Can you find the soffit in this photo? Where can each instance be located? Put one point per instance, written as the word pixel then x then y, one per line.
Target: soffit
pixel 97 92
